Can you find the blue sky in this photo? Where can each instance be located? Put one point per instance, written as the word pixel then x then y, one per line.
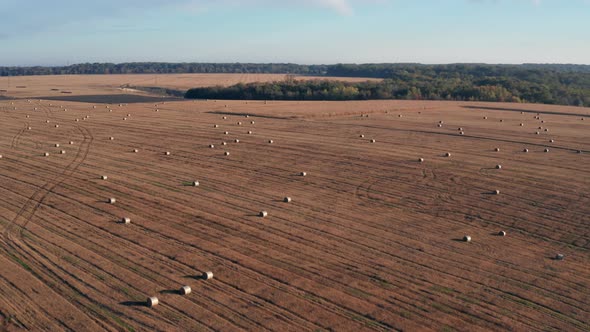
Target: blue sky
pixel 58 32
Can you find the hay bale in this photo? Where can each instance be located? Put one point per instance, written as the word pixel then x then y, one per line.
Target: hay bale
pixel 211 146
pixel 56 126
pixel 0 156
pixel 373 141
pixel 362 136
pixel 270 141
pixel 223 143
pixel 57 145
pixel 497 149
pixel 496 192
pixel 249 132
pixel 226 153
pixel 125 220
pixel 63 152
pixel 135 150
pixel 485 117
pixel 111 138
pixel 29 128
pixel 251 122
pixel 502 233
pixel 239 123
pixel 104 177
pixel 215 126
pixel 467 238
pixel 46 154
pixel 459 129
pixel 303 174
pixel 71 143
pixel 439 125
pixel 501 120
pixel 546 129
pixel 167 153
pixel 546 150
pixel 498 166
pixel 236 141
pixel 77 120
pixel 525 150
pixel 559 257
pixel 111 200
pixel 522 124
pixel 287 199
pixel 420 160
pixel 226 132
pixel 152 301
pixel 537 133
pixel 185 290
pixel 195 183
pixel 448 154
pixel 207 275
pixel 263 214
pixel 461 133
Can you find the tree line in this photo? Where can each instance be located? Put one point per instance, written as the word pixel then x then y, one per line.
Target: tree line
pixel 565 84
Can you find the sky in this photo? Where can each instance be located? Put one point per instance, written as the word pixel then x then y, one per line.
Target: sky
pixel 61 32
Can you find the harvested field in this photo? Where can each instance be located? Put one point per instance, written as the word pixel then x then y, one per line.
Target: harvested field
pixel 40 87
pixel 372 240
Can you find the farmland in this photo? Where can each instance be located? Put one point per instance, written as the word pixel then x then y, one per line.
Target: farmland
pixel 372 239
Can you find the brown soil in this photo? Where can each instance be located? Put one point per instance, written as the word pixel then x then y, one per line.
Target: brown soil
pixel 371 240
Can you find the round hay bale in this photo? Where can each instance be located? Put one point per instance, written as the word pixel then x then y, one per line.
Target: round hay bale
pixel 251 122
pixel 546 129
pixel 522 124
pixel 71 143
pixel 485 117
pixel 461 133
pixel 439 125
pixel 211 146
pixel 525 150
pixel 236 141
pixel 167 153
pixel 185 290
pixel 537 133
pixel 46 154
pixel 373 141
pixel 215 126
pixel 249 132
pixel 124 119
pixel 239 123
pixel 247 116
pixel 362 136
pixel 111 200
pixel 111 138
pixel 56 126
pixel 559 257
pixel 135 150
pixel 63 152
pixel 223 143
pixel 540 128
pixel 270 141
pixel 57 145
pixel 263 214
pixel 287 199
pixel 152 301
pixel 104 177
pixel 459 129
pixel 125 220
pixel 399 115
pixel 303 174
pixel 497 149
pixel 542 121
pixel 195 183
pixel 226 132
pixel 46 121
pixel 502 233
pixel 420 160
pixel 498 166
pixel 467 238
pixel 77 120
pixel 29 128
pixel 496 192
pixel 226 153
pixel 501 120
pixel 551 141
pixel 546 150
pixel 441 122
pixel 207 275
pixel 27 116
pixel 448 154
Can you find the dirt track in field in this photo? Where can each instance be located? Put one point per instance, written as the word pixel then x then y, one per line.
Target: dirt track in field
pixel 370 241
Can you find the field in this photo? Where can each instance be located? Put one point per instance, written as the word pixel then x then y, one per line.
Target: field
pixel 92 85
pixel 372 239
